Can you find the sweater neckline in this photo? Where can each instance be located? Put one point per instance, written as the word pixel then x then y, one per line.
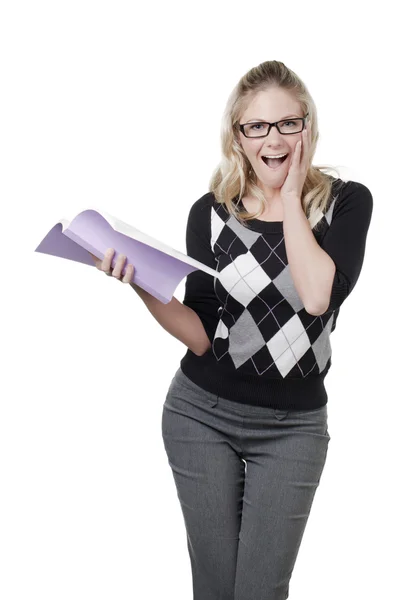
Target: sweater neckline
pixel 262 226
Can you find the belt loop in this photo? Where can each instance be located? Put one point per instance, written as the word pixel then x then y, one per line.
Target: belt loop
pixel 280 414
pixel 213 401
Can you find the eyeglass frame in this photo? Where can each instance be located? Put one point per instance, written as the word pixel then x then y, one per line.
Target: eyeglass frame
pixel 241 127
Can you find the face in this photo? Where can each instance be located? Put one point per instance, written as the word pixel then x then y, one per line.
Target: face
pixel 272 105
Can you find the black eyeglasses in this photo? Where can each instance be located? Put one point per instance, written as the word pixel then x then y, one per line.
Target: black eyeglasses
pixel 285 127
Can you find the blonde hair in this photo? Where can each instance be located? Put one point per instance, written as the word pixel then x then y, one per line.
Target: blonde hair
pixel 233 178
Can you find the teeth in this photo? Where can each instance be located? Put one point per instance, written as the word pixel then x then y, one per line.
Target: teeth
pixel 275 155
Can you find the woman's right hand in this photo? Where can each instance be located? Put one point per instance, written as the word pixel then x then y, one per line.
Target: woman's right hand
pixel 105 266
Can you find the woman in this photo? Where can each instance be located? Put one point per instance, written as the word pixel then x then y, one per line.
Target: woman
pixel 244 422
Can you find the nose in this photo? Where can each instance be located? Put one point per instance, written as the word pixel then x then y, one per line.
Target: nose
pixel 274 140
pixel 273 132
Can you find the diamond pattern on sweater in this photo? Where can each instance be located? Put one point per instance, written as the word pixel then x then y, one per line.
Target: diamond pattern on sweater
pixel 263 324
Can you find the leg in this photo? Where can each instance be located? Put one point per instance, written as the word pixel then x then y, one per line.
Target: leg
pixel 285 458
pixel 209 476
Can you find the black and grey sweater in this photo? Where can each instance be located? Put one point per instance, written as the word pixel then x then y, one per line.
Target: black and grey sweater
pixel 266 349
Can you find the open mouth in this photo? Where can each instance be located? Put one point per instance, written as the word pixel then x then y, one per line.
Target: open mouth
pixel 274 163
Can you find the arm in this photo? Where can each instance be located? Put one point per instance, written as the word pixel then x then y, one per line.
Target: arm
pixel 200 292
pixel 326 274
pixel 193 321
pixel 180 321
pixel 312 269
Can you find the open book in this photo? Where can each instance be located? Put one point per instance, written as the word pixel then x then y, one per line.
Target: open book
pixel 158 269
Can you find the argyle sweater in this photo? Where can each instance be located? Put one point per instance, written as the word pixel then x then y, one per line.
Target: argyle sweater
pixel 266 349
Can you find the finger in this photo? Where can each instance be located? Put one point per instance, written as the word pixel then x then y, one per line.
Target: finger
pixel 306 141
pixel 303 147
pixel 128 274
pixel 294 160
pixel 119 265
pixel 107 260
pixel 297 156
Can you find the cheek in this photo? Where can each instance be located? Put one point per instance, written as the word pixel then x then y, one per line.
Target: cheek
pixel 249 149
pixel 251 153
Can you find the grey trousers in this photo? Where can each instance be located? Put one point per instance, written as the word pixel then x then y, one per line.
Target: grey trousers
pixel 246 477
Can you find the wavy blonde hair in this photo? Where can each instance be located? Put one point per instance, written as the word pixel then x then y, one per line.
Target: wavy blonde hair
pixel 234 177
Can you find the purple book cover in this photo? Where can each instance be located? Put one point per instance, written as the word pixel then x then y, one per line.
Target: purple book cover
pixel 158 268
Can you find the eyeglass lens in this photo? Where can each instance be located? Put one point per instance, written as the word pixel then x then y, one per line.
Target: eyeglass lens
pixel 285 127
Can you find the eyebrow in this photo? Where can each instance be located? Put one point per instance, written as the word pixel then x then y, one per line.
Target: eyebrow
pixel 263 120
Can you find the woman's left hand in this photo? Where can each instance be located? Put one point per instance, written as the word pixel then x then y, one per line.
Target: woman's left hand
pixel 294 182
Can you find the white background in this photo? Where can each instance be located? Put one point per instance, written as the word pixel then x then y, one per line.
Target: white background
pixel 88 505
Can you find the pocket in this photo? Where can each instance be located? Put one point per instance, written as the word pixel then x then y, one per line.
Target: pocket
pixel 327 432
pixel 314 412
pixel 314 419
pixel 185 389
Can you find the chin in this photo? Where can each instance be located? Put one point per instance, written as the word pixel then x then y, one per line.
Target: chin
pixel 274 177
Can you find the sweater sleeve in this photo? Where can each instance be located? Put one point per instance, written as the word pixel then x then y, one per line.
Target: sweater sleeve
pixel 199 287
pixel 345 239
